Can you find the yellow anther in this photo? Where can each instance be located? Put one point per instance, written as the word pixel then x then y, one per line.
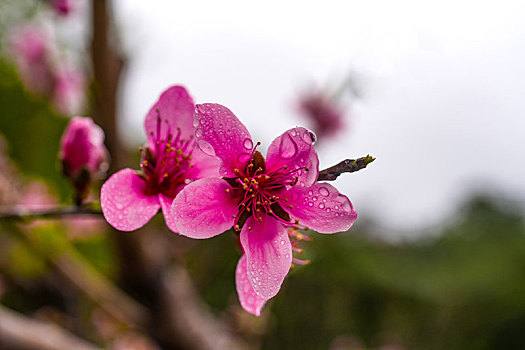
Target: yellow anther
pixel 248 209
pixel 253 195
pixel 285 167
pixel 249 228
pixel 165 175
pixel 291 206
pixel 235 171
pixel 227 190
pixel 234 216
pixel 260 218
pixel 258 202
pixel 244 187
pixel 237 228
pixel 192 165
pixel 296 221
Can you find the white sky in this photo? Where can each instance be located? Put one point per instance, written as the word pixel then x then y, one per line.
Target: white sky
pixel 443 110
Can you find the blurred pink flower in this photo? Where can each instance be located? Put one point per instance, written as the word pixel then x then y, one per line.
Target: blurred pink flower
pixel 29 46
pixel 34 54
pixel 324 112
pixel 258 197
pixel 62 7
pixel 68 90
pixel 170 161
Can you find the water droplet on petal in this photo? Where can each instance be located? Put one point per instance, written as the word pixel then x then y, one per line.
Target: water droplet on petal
pixel 311 204
pixel 310 193
pixel 205 146
pixel 321 205
pixel 195 122
pixel 248 144
pixel 314 198
pixel 198 132
pixel 324 191
pixel 293 132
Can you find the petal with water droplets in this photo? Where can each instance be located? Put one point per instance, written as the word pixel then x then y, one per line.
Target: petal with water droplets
pixel 320 207
pixel 204 208
pixel 294 149
pixel 123 202
pixel 250 301
pixel 175 108
pixel 219 133
pixel 268 254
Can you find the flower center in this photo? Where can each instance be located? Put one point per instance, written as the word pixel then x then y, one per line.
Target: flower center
pixel 257 190
pixel 165 163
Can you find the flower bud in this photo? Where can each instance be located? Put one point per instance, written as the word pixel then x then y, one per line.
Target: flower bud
pixel 83 154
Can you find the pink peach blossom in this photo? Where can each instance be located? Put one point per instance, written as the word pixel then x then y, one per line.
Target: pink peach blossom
pixel 170 161
pixel 259 197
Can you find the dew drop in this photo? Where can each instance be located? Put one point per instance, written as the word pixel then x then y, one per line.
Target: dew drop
pixel 324 191
pixel 310 193
pixel 321 205
pixel 248 144
pixel 205 146
pixel 119 206
pixel 293 132
pixel 198 132
pixel 311 204
pixel 314 198
pixel 195 122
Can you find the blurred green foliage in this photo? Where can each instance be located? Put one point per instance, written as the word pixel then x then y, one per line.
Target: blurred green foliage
pixel 32 130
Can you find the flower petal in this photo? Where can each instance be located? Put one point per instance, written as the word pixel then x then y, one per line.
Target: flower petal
pixel 247 297
pixel 294 148
pixel 165 204
pixel 204 209
pixel 219 133
pixel 320 207
pixel 268 254
pixel 203 165
pixel 175 107
pixel 123 202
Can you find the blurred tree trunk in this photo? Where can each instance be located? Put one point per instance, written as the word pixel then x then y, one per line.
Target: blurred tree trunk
pixel 107 62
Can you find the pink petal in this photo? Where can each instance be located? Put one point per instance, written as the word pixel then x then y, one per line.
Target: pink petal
pixel 247 297
pixel 268 253
pixel 219 133
pixel 320 207
pixel 123 202
pixel 294 148
pixel 204 209
pixel 203 165
pixel 176 108
pixel 165 204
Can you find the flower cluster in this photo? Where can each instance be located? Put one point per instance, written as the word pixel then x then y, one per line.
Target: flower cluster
pixel 205 172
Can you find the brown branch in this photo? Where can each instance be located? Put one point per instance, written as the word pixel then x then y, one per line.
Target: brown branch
pixel 346 166
pixel 20 213
pixel 21 332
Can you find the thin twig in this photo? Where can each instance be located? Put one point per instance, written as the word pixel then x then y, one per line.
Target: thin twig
pixel 21 213
pixel 346 166
pixel 21 332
